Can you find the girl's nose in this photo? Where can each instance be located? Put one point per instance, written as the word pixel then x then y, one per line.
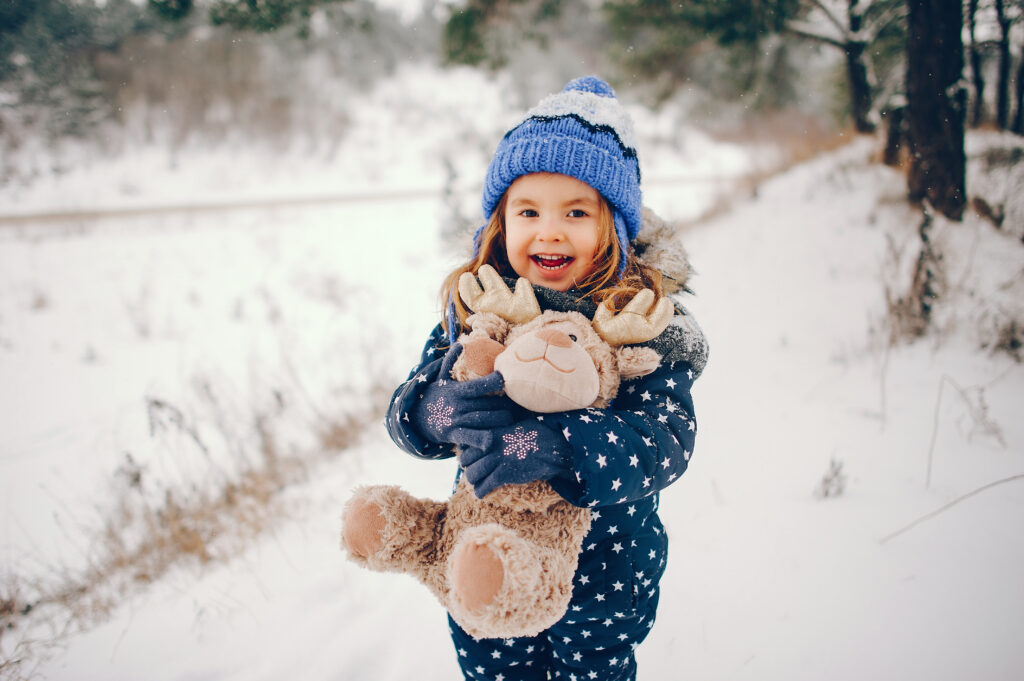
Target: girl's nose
pixel 550 230
pixel 555 337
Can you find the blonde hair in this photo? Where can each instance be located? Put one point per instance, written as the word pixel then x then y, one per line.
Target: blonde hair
pixel 602 284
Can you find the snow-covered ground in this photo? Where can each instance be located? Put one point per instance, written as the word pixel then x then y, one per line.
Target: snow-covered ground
pixel 291 311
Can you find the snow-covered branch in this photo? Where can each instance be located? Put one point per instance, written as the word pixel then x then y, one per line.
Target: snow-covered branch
pixel 884 20
pixel 831 16
pixel 813 32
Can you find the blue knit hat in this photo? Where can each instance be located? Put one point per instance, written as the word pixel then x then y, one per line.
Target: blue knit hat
pixel 582 132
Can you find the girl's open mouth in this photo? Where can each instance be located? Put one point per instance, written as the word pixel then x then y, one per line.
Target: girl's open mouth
pixel 552 262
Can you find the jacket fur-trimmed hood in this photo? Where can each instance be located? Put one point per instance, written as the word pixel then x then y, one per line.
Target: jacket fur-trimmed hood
pixel 659 246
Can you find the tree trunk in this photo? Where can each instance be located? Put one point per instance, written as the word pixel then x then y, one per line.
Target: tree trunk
pixel 895 134
pixel 1018 119
pixel 936 105
pixel 860 88
pixel 857 71
pixel 1003 67
pixel 977 77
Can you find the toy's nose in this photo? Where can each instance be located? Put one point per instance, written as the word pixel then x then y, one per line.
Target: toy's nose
pixel 555 337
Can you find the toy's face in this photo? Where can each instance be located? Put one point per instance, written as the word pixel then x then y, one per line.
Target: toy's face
pixel 547 370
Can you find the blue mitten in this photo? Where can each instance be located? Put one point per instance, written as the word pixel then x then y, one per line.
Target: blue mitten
pixel 517 454
pixel 447 405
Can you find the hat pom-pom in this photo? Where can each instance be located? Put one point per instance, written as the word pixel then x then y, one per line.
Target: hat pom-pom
pixel 590 84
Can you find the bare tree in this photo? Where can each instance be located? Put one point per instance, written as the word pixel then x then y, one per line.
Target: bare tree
pixel 1003 65
pixel 936 104
pixel 1018 119
pixel 852 30
pixel 976 62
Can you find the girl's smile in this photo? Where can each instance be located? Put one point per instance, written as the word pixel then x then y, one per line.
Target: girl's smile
pixel 552 229
pixel 552 262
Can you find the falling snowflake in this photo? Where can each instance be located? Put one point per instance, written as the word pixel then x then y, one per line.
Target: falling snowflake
pixel 440 415
pixel 520 443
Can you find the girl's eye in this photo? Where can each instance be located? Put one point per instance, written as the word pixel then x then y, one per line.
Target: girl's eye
pixel 577 213
pixel 529 213
pixel 572 337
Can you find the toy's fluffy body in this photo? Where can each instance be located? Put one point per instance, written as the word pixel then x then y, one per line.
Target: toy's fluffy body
pixel 534 536
pixel 539 547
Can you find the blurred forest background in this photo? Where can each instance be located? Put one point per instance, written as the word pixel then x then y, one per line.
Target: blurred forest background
pixel 802 73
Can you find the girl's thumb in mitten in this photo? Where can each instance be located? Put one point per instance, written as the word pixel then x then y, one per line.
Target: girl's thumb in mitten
pixel 450 358
pixel 479 387
pixel 480 467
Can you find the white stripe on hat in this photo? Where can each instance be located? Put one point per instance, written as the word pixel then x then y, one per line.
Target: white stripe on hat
pixel 593 108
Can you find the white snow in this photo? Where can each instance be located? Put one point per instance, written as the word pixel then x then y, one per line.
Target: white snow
pixel 290 311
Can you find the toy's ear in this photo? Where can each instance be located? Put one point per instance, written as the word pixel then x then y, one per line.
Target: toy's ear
pixel 480 346
pixel 488 324
pixel 636 361
pixel 477 358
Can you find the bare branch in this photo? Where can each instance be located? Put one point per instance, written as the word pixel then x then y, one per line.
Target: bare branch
pixel 884 20
pixel 809 31
pixel 831 16
pixel 948 506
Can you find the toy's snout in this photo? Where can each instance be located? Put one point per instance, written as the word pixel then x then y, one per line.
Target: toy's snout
pixel 555 337
pixel 547 371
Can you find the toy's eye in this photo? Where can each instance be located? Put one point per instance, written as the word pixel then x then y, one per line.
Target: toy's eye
pixel 572 337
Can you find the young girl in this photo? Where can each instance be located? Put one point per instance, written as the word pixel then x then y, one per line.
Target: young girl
pixel 562 199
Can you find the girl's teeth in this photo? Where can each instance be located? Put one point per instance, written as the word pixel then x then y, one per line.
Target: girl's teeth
pixel 552 262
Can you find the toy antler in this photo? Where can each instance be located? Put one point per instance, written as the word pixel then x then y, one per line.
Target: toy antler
pixel 635 323
pixel 495 296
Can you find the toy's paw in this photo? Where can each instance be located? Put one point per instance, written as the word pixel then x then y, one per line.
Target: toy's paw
pixel 477 576
pixel 478 357
pixel 499 584
pixel 362 531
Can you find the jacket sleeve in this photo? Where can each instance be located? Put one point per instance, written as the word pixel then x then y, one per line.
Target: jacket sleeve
pixel 423 374
pixel 636 447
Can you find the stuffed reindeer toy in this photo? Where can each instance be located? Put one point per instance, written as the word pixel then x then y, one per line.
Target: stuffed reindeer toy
pixel 503 565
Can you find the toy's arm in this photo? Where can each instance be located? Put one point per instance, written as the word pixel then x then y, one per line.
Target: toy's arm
pixel 399 427
pixel 636 447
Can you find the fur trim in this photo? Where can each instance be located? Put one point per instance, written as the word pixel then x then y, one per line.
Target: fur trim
pixel 658 245
pixel 637 361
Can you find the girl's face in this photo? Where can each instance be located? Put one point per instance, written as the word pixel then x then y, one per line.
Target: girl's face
pixel 552 229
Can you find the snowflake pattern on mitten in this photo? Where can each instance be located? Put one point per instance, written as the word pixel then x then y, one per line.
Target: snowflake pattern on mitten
pixel 440 415
pixel 520 443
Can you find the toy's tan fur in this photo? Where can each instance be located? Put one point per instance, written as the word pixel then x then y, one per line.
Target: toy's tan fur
pixel 520 543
